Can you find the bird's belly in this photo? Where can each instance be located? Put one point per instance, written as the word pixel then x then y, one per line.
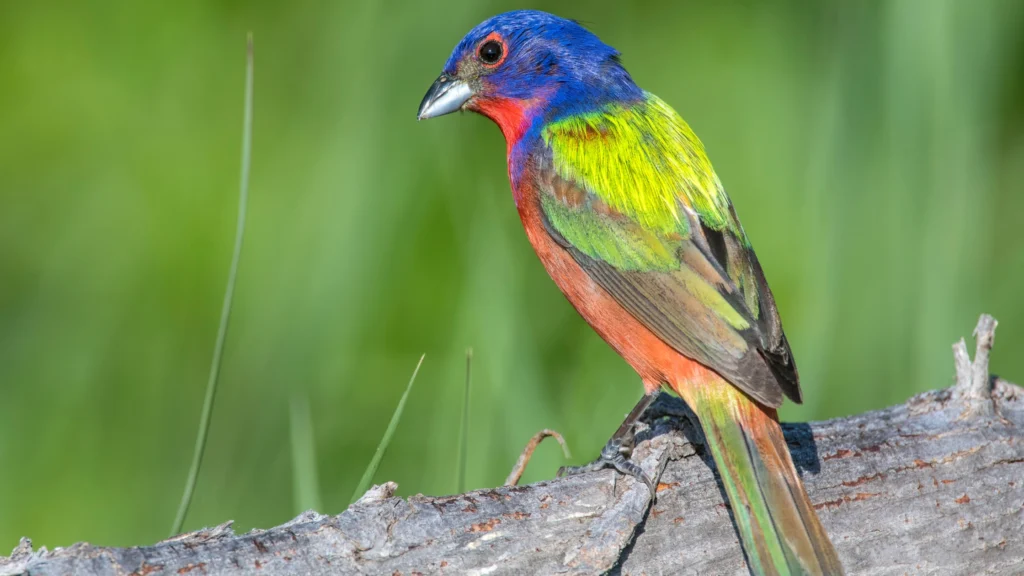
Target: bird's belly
pixel 655 361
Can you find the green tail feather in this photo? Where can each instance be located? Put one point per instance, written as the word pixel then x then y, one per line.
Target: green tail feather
pixel 780 531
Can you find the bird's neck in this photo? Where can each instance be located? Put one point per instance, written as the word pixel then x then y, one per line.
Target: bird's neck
pixel 519 121
pixel 514 116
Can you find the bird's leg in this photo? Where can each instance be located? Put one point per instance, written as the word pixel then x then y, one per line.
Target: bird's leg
pixel 616 452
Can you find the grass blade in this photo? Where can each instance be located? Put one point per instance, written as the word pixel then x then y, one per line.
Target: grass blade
pixel 371 469
pixel 464 434
pixel 305 486
pixel 229 291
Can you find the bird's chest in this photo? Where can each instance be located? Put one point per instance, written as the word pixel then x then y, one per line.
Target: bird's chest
pixel 573 281
pixel 637 345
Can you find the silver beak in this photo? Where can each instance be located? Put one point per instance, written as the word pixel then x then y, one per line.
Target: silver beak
pixel 445 96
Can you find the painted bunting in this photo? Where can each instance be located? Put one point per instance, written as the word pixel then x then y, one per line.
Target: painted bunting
pixel 621 204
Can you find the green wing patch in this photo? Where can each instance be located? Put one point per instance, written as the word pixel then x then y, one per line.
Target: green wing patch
pixel 620 242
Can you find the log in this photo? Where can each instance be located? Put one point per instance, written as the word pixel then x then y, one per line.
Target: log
pixel 932 486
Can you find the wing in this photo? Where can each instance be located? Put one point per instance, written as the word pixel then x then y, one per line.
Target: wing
pixel 629 192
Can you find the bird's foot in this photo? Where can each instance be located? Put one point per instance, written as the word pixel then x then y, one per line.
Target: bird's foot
pixel 615 454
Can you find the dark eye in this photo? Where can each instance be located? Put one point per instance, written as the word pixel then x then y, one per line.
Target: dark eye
pixel 490 52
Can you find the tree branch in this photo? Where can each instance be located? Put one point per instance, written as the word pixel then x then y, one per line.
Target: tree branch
pixel 933 486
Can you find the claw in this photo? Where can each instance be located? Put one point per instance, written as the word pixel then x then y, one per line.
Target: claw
pixel 614 455
pixel 617 451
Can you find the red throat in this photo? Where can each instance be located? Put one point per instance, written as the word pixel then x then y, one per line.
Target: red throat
pixel 509 114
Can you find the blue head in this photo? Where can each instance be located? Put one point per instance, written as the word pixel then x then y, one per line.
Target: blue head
pixel 526 65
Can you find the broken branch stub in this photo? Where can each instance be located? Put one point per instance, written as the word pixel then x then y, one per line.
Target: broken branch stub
pixel 973 381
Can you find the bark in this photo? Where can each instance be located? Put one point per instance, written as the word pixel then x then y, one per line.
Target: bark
pixel 933 486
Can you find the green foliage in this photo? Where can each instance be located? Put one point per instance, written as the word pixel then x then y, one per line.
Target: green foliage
pixel 305 480
pixel 229 295
pixel 371 468
pixel 460 484
pixel 873 150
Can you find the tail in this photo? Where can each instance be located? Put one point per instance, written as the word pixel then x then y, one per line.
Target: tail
pixel 780 531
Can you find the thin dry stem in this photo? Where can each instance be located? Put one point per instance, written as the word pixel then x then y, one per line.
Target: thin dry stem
pixel 524 458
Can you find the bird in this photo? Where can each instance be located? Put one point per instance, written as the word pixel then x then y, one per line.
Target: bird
pixel 621 204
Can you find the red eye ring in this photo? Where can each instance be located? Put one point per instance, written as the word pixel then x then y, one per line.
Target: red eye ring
pixel 492 50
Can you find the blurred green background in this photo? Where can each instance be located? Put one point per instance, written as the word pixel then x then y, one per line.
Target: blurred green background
pixel 874 150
